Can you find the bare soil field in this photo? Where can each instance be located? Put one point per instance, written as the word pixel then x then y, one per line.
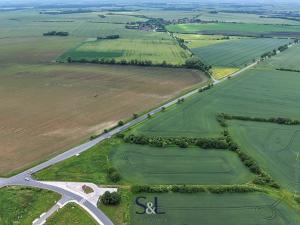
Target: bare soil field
pixel 47 108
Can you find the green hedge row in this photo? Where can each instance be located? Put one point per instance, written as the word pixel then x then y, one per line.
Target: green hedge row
pixel 183 142
pixel 262 178
pixel 289 70
pixel 218 189
pixel 278 120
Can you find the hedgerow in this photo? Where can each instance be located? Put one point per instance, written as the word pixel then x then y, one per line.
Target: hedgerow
pixel 278 120
pixel 218 189
pixel 183 142
pixel 262 178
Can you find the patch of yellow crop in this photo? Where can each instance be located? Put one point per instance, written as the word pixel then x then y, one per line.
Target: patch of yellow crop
pixel 221 72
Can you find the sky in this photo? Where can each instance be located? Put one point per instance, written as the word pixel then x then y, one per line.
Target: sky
pixel 41 2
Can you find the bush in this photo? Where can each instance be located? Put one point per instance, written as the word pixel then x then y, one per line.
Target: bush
pixel 120 123
pixel 149 189
pixel 221 120
pixel 113 175
pixel 183 144
pixel 120 135
pixel 113 198
pixel 187 189
pixel 231 189
pixel 196 63
pixel 265 179
pixel 297 198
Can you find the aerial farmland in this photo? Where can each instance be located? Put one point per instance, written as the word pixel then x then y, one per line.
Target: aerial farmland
pixel 147 113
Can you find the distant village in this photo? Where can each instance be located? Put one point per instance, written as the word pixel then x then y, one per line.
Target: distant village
pixel 158 24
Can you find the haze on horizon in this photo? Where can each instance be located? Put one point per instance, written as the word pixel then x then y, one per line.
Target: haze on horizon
pixel 66 2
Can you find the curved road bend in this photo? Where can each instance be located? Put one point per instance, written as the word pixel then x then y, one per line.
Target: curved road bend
pixel 68 196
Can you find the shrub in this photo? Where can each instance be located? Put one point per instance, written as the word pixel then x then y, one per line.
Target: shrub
pixel 113 198
pixel 265 179
pixel 231 189
pixel 120 135
pixel 187 189
pixel 113 175
pixel 183 144
pixel 221 120
pixel 297 198
pixel 149 189
pixel 120 123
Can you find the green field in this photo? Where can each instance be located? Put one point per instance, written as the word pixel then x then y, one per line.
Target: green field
pixel 288 60
pixel 90 166
pixel 147 165
pixel 71 214
pixel 155 49
pixel 211 209
pixel 276 147
pixel 237 29
pixel 243 18
pixel 29 23
pixel 199 40
pixel 237 52
pixel 23 205
pixel 261 91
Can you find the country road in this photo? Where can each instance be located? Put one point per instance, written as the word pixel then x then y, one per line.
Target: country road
pixel 25 179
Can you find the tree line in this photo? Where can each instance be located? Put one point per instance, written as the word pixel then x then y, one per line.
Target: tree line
pixel 113 36
pixel 183 142
pixel 56 33
pixel 133 62
pixel 288 70
pixel 216 189
pixel 274 51
pixel 279 120
pixel 262 177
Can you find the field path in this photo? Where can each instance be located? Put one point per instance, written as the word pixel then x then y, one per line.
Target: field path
pixel 234 74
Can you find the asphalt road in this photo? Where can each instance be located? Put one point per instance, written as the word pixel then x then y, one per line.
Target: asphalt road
pixel 25 179
pixel 97 214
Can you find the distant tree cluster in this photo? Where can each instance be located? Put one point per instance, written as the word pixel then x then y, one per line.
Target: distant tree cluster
pixel 274 51
pixel 66 11
pixel 196 63
pixel 156 24
pixel 56 33
pixel 113 36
